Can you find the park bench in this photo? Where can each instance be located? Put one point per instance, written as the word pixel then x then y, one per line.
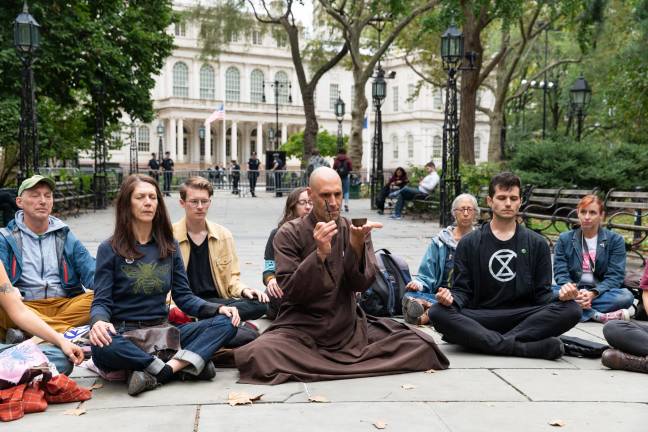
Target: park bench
pixel 539 206
pixel 627 212
pixel 66 198
pixel 424 208
pixel 484 212
pixel 566 203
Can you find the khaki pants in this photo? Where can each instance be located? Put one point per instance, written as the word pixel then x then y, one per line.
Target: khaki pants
pixel 60 313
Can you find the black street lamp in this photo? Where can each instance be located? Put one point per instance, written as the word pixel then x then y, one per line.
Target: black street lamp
pixel 100 149
pixel 134 151
pixel 378 95
pixel 545 87
pixel 452 55
pixel 339 115
pixel 26 42
pixel 276 85
pixel 160 133
pixel 580 96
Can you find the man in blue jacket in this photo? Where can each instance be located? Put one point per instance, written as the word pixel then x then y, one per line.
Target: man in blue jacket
pixel 45 262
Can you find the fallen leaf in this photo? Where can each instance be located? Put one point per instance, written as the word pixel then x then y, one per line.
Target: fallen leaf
pixel 380 424
pixel 75 411
pixel 96 386
pixel 430 371
pixel 558 423
pixel 322 399
pixel 242 398
pixel 408 386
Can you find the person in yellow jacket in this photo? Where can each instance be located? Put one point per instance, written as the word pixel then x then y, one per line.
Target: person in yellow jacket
pixel 207 245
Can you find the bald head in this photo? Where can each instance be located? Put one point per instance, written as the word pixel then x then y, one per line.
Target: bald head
pixel 326 193
pixel 324 176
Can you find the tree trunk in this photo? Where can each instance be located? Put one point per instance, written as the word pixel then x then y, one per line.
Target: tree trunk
pixel 495 140
pixel 358 112
pixel 311 128
pixel 469 86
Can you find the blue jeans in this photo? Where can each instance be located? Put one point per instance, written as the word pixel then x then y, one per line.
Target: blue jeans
pixel 431 297
pixel 199 341
pixel 611 300
pixel 346 185
pixel 53 354
pixel 406 194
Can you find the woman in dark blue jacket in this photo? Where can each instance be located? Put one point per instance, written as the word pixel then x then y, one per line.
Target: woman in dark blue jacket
pixel 136 269
pixel 591 260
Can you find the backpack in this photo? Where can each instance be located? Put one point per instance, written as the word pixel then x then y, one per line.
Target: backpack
pixel 383 298
pixel 343 168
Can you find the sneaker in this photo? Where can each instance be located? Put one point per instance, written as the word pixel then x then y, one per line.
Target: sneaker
pixel 395 217
pixel 15 336
pixel 381 212
pixel 141 381
pixel 412 310
pixel 207 374
pixel 615 359
pixel 621 314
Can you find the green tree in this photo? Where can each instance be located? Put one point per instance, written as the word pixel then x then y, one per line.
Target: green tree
pixel 326 143
pixel 109 44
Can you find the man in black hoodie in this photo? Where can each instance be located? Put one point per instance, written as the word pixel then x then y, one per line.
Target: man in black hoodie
pixel 501 299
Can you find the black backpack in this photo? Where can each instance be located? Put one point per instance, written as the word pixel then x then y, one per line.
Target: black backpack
pixel 383 298
pixel 343 168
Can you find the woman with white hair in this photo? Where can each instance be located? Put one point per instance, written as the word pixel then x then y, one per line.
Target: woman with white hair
pixel 437 265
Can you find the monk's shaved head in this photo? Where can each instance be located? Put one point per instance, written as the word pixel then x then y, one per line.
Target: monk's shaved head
pixel 323 175
pixel 326 193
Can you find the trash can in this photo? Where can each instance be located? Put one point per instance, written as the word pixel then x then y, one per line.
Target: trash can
pixel 354 187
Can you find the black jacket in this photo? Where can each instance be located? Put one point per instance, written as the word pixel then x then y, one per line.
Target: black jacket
pixel 533 269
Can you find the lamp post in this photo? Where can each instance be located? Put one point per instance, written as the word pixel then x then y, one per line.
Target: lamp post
pixel 160 133
pixel 26 42
pixel 378 95
pixel 201 135
pixel 580 96
pixel 544 86
pixel 134 156
pixel 100 148
pixel 276 85
pixel 452 55
pixel 339 115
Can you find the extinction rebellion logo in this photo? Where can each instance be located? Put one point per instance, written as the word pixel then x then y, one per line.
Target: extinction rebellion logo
pixel 499 265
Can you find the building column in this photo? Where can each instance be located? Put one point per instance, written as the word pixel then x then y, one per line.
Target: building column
pixel 194 148
pixel 180 141
pixel 234 142
pixel 223 144
pixel 259 139
pixel 171 139
pixel 284 133
pixel 208 155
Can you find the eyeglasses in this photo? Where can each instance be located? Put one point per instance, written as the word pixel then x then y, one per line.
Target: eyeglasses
pixel 465 210
pixel 196 203
pixel 305 202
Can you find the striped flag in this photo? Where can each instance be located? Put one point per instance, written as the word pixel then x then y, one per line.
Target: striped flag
pixel 219 114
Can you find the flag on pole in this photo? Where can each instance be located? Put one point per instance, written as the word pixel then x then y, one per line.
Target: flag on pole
pixel 219 114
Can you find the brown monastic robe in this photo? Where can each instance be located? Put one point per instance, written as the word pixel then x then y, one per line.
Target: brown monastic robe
pixel 320 333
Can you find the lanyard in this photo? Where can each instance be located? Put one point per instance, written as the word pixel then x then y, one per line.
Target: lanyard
pixel 586 253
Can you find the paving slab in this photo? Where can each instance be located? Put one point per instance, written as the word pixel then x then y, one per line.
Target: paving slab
pixel 536 416
pixel 461 358
pixel 113 395
pixel 161 419
pixel 448 385
pixel 316 417
pixel 578 385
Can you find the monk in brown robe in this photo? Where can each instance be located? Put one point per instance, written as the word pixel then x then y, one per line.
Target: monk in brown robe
pixel 320 333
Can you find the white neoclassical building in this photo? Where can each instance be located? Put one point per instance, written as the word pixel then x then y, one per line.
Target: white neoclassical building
pixel 189 89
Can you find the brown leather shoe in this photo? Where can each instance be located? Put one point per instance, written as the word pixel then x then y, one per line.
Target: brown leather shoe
pixel 141 381
pixel 615 359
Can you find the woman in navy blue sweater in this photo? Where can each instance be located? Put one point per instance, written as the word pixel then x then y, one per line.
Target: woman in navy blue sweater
pixel 136 269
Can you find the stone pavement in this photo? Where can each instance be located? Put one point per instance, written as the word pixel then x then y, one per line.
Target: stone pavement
pixel 478 392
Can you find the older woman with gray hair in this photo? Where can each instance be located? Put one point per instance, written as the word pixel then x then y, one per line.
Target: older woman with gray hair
pixel 437 265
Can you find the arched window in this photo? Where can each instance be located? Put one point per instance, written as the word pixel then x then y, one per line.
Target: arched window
pixel 143 139
pixel 477 148
pixel 180 80
pixel 283 91
pixel 256 86
pixel 395 146
pixel 437 147
pixel 410 146
pixel 232 85
pixel 207 82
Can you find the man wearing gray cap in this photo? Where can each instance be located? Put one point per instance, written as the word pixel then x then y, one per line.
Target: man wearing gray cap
pixel 45 262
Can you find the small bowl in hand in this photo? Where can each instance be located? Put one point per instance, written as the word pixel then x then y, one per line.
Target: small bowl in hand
pixel 358 222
